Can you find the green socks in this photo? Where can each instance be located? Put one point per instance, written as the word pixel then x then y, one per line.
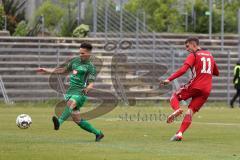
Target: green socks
pixel 83 123
pixel 65 114
pixel 88 127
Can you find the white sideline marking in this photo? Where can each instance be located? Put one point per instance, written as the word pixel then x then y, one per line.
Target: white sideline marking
pixel 206 123
pixel 219 124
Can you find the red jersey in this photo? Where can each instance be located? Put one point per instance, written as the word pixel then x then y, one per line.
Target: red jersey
pixel 202 66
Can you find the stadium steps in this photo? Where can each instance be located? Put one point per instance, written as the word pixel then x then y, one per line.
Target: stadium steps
pixel 131 80
pixel 99 85
pixel 21 53
pixel 143 44
pixel 45 94
pixel 52 93
pixel 166 35
pixel 142 99
pixel 52 59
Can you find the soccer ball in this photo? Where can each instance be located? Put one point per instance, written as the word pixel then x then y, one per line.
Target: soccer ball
pixel 23 121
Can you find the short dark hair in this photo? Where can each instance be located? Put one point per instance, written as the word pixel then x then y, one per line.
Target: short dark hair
pixel 86 45
pixel 192 39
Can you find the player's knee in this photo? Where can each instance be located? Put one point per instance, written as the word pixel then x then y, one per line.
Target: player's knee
pixel 190 111
pixel 174 97
pixel 71 103
pixel 76 119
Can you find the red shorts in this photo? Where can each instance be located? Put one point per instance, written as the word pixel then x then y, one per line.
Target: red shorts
pixel 198 96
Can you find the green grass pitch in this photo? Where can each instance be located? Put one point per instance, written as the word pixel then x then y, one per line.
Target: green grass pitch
pixel 130 133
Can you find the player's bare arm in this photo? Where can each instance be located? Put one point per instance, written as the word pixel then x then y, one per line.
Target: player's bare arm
pixel 175 75
pixel 58 70
pixel 88 88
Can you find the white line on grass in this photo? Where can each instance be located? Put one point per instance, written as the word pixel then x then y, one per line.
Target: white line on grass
pixel 205 123
pixel 219 124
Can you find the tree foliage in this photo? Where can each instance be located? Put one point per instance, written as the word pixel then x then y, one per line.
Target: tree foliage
pixel 202 19
pixel 21 29
pixel 52 14
pixel 69 21
pixel 14 10
pixel 1 17
pixel 59 18
pixel 161 15
pixel 165 16
pixel 231 16
pixel 81 31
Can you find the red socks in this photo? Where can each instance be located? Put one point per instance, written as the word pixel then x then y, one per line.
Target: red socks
pixel 185 123
pixel 187 120
pixel 174 102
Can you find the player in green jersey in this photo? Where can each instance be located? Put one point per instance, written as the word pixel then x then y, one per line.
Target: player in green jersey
pixel 82 75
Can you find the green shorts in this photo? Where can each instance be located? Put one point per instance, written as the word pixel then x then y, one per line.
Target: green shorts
pixel 80 99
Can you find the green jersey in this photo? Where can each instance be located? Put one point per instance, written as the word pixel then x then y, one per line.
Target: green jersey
pixel 81 73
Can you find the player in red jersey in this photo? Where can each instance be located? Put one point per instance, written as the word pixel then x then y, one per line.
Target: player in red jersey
pixel 203 67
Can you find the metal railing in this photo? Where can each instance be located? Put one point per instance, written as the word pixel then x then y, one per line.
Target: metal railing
pixel 4 92
pixel 21 58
